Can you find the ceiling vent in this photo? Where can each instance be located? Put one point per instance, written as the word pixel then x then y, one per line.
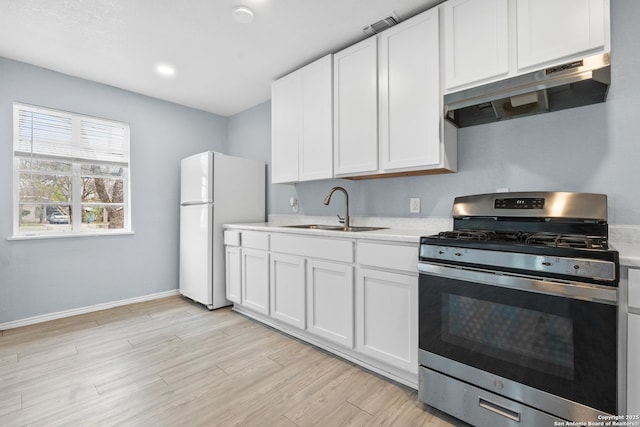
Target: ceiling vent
pixel 381 25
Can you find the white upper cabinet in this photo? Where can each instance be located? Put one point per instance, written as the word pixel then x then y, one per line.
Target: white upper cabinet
pixel 550 30
pixel 316 149
pixel 388 103
pixel 476 41
pixel 374 108
pixel 488 40
pixel 356 109
pixel 410 97
pixel 285 127
pixel 302 130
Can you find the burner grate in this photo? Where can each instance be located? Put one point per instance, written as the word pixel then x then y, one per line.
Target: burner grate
pixel 468 235
pixel 557 240
pixel 567 240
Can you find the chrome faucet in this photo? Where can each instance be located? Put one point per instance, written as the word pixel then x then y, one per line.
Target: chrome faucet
pixel 327 199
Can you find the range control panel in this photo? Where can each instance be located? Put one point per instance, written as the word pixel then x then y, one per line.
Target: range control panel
pixel 519 203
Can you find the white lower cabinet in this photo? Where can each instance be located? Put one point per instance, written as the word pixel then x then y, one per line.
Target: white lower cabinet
pixel 633 364
pixel 387 317
pixel 354 297
pixel 633 344
pixel 330 301
pixel 255 280
pixel 233 272
pixel 288 289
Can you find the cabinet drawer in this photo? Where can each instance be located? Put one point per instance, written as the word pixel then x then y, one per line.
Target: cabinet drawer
pixel 255 240
pixel 313 247
pixel 634 288
pixel 232 237
pixel 394 257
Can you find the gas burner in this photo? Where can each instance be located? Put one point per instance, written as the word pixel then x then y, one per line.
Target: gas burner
pixel 567 240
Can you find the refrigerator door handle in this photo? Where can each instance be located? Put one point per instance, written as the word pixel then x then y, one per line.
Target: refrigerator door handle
pixel 195 203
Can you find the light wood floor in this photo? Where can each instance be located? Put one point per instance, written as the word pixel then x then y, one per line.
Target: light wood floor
pixel 170 362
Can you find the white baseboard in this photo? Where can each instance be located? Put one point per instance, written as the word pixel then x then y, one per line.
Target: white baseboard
pixel 84 310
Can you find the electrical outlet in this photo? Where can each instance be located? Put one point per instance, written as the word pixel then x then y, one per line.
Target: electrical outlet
pixel 414 205
pixel 293 202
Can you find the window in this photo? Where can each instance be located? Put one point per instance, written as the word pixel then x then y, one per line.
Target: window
pixel 71 173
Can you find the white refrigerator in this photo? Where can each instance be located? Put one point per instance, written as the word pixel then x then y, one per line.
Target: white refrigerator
pixel 214 189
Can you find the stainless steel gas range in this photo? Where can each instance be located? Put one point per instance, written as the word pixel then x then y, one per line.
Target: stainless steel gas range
pixel 519 311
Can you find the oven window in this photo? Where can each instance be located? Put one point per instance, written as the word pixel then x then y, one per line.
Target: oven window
pixel 501 331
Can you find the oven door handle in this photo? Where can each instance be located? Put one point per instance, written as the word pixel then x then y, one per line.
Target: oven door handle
pixel 574 290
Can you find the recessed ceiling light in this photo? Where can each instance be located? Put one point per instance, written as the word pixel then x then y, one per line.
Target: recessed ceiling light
pixel 165 70
pixel 242 14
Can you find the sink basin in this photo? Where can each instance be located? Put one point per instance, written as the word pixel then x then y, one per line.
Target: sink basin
pixel 333 227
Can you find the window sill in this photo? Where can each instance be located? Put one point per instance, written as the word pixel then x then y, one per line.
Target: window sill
pixel 68 236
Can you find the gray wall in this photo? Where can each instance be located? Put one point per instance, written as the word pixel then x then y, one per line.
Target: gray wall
pixel 250 137
pixel 46 276
pixel 590 149
pixel 593 148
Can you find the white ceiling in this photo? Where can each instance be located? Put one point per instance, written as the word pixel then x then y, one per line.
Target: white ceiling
pixel 222 66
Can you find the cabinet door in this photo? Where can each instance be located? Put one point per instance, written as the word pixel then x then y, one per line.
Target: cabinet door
pixel 316 145
pixel 233 273
pixel 633 364
pixel 476 41
pixel 330 301
pixel 634 288
pixel 356 109
pixel 255 280
pixel 410 95
pixel 286 109
pixel 387 317
pixel 288 289
pixel 549 30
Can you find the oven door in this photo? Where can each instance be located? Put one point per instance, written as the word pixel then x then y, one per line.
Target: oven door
pixel 549 345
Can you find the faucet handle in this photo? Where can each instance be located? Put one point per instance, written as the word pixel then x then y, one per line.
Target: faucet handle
pixel 340 219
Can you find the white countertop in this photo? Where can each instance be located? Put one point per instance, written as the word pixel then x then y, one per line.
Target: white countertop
pixel 623 238
pixel 626 240
pixel 405 230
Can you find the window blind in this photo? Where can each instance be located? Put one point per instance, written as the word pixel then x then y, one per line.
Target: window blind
pixel 44 134
pixel 103 141
pixel 53 134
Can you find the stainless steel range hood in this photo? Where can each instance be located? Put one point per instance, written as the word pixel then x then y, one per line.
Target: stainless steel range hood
pixel 570 85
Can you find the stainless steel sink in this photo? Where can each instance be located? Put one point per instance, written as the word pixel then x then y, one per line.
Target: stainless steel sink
pixel 334 227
